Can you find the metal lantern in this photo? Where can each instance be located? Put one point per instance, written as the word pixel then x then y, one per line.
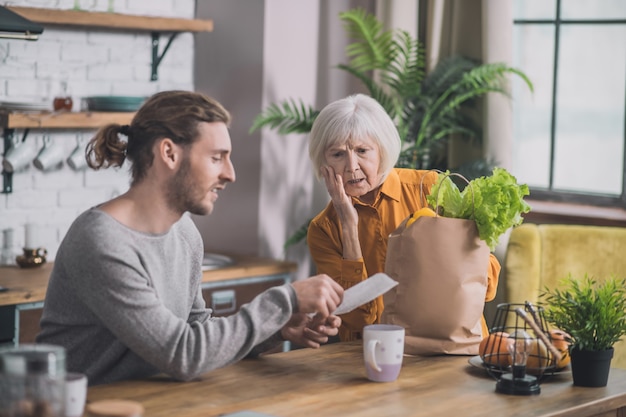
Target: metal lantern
pixel 518 352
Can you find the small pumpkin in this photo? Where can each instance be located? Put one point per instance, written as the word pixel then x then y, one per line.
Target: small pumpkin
pixel 561 340
pixel 494 349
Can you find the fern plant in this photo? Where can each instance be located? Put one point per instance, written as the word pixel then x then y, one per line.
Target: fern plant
pixel 594 314
pixel 426 107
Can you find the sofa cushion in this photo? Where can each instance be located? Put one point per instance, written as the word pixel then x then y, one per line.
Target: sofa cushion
pixel 539 256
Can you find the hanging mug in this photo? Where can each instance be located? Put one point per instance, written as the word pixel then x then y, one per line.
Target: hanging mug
pixel 18 156
pixel 50 156
pixel 77 160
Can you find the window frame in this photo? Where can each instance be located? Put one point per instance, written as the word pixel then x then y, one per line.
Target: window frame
pixel 551 194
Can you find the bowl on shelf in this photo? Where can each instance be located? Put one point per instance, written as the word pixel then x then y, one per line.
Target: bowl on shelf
pixel 114 103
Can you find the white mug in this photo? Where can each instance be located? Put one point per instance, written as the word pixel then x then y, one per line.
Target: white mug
pixel 383 349
pixel 18 156
pixel 75 394
pixel 77 160
pixel 50 156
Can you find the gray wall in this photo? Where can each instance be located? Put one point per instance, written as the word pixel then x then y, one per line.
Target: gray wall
pixel 263 52
pixel 229 67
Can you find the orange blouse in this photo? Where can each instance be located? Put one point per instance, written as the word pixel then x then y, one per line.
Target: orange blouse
pixel 402 193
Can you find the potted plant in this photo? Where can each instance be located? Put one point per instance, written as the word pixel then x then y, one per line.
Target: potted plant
pixel 427 107
pixel 594 315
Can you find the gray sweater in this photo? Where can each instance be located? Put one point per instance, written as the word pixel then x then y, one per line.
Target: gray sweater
pixel 127 304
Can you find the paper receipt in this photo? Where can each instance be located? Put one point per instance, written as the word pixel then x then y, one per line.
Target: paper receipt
pixel 364 292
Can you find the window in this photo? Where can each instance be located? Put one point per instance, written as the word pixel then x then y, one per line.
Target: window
pixel 569 135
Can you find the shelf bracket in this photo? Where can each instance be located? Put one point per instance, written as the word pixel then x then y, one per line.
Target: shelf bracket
pixel 156 58
pixel 7 177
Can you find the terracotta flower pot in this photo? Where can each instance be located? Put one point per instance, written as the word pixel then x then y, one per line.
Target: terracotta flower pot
pixel 590 368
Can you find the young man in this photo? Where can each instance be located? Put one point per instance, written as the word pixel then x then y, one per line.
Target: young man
pixel 124 296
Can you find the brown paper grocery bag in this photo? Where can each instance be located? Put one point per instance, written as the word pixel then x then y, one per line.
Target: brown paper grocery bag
pixel 441 266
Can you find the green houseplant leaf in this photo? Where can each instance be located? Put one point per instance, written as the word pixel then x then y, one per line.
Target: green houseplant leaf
pixel 593 313
pixel 373 47
pixel 288 117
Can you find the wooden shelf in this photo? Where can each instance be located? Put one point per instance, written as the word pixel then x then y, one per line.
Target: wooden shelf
pixel 118 21
pixel 64 120
pixel 9 121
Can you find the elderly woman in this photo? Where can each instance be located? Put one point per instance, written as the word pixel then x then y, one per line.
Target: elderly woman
pixel 354 146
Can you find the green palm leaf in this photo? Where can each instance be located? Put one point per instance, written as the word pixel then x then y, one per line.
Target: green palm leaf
pixel 480 80
pixel 287 117
pixel 492 76
pixel 372 47
pixel 447 72
pixel 404 75
pixel 376 91
pixel 298 235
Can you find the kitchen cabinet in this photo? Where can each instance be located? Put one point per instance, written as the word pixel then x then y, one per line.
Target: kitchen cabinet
pixel 225 289
pixel 20 323
pixel 22 302
pixel 226 297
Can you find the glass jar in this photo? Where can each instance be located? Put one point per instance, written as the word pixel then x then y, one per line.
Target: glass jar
pixel 32 381
pixel 63 99
pixel 7 257
pixel 63 103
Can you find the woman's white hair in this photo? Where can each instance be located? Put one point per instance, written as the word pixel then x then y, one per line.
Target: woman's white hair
pixel 354 117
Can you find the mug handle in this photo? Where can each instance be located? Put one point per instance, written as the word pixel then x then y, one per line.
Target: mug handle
pixel 370 356
pixel 42 252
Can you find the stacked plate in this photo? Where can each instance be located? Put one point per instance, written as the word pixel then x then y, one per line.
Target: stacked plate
pixel 25 105
pixel 114 103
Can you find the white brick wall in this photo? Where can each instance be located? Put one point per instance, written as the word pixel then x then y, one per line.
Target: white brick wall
pixel 98 62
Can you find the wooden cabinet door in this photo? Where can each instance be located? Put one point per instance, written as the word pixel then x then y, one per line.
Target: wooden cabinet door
pixel 29 324
pixel 23 319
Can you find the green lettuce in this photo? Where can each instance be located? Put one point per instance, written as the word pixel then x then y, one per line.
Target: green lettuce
pixel 496 203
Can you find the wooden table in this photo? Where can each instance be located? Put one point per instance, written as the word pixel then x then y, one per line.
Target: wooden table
pixel 20 306
pixel 331 381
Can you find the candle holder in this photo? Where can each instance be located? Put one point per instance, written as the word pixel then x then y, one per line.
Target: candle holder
pixel 518 352
pixel 32 258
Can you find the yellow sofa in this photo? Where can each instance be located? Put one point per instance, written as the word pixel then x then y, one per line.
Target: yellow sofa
pixel 539 255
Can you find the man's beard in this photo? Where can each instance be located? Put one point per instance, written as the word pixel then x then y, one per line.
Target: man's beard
pixel 183 194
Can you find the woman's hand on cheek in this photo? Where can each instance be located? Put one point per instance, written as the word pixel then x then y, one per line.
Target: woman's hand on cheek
pixel 341 201
pixel 334 184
